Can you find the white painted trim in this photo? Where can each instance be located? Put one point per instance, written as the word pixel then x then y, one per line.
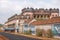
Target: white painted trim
pixel 32 21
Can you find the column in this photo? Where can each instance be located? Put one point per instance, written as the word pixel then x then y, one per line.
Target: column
pixel 43 17
pixel 21 26
pixel 36 16
pixel 39 16
pixel 46 16
pixel 16 26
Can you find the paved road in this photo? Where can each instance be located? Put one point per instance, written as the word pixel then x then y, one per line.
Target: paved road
pixel 16 37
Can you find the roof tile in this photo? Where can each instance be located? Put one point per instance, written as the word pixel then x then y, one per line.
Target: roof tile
pixel 48 21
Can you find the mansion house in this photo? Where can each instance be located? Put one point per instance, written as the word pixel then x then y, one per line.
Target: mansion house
pixel 32 19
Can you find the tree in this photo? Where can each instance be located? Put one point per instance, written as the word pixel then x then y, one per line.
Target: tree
pixel 49 33
pixel 1 25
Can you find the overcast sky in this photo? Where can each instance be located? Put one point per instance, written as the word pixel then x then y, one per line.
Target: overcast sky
pixel 11 7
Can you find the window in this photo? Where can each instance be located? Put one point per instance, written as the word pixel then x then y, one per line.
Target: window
pixel 55 15
pixel 48 15
pixel 33 32
pixel 26 25
pixel 37 16
pixel 34 16
pixel 41 16
pixel 52 15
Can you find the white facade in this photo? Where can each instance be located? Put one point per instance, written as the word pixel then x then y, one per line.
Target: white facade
pixel 45 27
pixel 33 28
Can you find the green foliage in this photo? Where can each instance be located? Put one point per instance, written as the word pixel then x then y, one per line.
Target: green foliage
pixel 38 32
pixel 27 32
pixel 1 25
pixel 49 33
pixel 42 32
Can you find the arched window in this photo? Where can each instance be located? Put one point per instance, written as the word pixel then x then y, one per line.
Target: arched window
pixel 55 15
pixel 34 16
pixel 52 15
pixel 37 16
pixel 48 16
pixel 41 16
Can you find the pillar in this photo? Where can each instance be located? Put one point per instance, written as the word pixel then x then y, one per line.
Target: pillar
pixel 16 26
pixel 21 26
pixel 39 16
pixel 36 16
pixel 43 16
pixel 46 17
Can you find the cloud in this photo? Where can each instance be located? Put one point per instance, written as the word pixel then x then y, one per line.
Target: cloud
pixel 10 7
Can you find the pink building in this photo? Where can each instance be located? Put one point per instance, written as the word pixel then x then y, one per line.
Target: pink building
pixel 31 18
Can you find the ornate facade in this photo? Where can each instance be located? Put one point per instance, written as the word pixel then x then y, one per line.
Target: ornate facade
pixel 40 13
pixel 28 14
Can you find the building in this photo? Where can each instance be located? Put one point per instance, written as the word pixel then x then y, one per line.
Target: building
pixel 31 18
pixel 53 24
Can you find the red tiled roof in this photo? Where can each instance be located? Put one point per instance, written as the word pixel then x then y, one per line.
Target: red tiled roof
pixel 48 21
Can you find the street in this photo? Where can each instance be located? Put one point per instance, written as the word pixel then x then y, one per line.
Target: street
pixel 16 37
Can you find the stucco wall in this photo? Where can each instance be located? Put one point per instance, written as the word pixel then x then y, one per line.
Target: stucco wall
pixel 54 15
pixel 21 26
pixel 28 13
pixel 11 22
pixel 45 27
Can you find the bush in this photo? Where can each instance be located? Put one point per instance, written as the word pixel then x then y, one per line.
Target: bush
pixel 49 33
pixel 43 33
pixel 38 32
pixel 27 32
